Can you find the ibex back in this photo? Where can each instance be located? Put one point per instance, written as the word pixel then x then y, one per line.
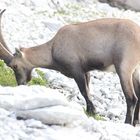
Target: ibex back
pixel 78 48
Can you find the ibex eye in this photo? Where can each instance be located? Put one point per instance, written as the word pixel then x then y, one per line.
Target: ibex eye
pixel 15 66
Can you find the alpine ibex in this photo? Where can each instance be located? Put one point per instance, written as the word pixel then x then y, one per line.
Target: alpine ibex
pixel 78 48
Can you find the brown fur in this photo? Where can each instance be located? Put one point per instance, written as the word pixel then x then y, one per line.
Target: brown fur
pixel 78 48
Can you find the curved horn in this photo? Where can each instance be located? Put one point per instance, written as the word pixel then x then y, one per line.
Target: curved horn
pixel 1 36
pixel 4 50
pixel 5 54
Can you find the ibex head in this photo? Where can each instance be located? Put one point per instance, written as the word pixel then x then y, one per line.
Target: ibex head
pixel 22 68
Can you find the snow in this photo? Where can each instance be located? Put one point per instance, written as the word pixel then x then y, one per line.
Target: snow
pixel 57 112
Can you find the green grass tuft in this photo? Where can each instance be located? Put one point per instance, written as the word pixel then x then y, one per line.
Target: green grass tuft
pixel 40 80
pixel 98 117
pixel 7 77
pixel 95 116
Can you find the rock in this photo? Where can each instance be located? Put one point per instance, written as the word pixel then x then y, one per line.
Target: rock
pixel 4 112
pixel 55 115
pixel 125 4
pixel 34 124
pixel 49 107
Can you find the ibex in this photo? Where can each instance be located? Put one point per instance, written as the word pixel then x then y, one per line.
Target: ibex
pixel 79 48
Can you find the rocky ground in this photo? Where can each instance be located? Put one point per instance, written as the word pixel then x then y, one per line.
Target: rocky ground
pixel 57 113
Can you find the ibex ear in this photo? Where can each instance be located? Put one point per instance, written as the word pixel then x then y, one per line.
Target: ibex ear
pixel 18 52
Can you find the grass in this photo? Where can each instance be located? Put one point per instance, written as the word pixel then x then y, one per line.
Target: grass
pixel 7 77
pixel 98 117
pixel 40 80
pixel 95 116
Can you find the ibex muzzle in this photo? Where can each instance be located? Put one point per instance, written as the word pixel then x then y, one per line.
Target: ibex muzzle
pixel 78 48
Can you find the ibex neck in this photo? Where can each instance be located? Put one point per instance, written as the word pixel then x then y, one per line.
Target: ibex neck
pixel 39 56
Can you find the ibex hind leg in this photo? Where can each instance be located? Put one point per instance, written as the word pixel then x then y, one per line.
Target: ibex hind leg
pixel 136 82
pixel 82 81
pixel 136 114
pixel 125 75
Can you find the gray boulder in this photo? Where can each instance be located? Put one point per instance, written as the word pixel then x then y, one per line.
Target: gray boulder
pixel 125 4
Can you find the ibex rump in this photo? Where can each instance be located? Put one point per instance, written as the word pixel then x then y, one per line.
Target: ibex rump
pixel 78 48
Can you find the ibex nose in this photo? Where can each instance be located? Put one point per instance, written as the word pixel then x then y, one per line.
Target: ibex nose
pixel 22 83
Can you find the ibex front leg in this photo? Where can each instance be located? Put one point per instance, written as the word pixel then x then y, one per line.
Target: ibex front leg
pixel 87 79
pixel 125 74
pixel 82 81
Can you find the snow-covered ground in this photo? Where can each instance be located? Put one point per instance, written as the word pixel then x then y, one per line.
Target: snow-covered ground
pixel 56 113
